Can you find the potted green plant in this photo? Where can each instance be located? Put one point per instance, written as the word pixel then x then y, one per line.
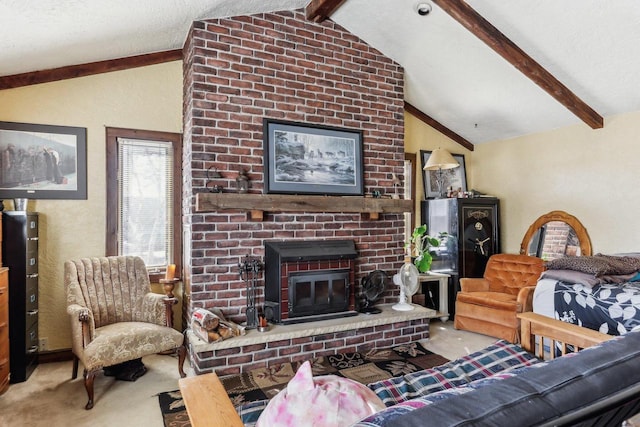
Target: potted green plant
pixel 420 247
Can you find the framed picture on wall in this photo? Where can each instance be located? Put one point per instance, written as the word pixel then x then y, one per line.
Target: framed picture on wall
pixel 42 161
pixel 454 178
pixel 309 159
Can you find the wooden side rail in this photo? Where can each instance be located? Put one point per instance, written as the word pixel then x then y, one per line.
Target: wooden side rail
pixel 534 326
pixel 207 402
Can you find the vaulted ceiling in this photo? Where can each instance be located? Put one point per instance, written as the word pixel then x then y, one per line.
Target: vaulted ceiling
pixel 478 70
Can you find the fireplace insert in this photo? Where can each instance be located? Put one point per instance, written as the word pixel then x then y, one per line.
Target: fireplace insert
pixel 309 280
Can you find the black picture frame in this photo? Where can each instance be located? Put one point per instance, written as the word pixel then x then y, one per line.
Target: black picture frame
pixel 311 159
pixel 42 161
pixel 456 177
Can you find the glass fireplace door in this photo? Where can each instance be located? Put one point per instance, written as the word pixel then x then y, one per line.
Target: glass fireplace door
pixel 318 292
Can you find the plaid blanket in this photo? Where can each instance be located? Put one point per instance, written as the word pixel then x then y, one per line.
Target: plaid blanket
pixel 381 418
pixel 498 357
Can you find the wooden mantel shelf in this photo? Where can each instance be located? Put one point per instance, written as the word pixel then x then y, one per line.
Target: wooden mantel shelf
pixel 259 203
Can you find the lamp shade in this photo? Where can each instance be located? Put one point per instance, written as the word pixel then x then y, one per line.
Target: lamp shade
pixel 441 159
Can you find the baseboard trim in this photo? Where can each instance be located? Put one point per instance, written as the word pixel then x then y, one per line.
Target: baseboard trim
pixel 55 356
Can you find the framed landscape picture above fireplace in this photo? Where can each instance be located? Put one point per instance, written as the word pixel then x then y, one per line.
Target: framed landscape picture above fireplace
pixel 42 161
pixel 310 159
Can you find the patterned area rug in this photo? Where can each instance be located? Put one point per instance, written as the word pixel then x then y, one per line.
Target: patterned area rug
pixel 259 384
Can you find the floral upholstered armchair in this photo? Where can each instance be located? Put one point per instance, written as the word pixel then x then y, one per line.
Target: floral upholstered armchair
pixel 115 317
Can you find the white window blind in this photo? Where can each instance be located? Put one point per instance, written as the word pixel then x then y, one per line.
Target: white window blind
pixel 145 192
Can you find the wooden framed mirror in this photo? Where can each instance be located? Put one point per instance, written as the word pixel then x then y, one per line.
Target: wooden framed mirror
pixel 554 235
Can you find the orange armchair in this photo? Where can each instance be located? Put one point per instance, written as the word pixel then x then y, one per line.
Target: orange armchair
pixel 490 305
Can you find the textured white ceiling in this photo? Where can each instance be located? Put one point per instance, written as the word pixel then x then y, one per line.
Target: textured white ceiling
pixel 41 34
pixel 591 46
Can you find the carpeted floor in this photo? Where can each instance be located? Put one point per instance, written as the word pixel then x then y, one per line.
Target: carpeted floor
pixel 260 384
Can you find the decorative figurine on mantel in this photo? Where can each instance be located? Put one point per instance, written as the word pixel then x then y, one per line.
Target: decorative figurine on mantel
pixel 242 181
pixel 213 173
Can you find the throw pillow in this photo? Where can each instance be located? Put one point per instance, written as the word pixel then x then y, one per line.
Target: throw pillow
pixel 323 401
pixel 598 265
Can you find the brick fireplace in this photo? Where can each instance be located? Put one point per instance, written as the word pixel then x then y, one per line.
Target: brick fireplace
pixel 239 71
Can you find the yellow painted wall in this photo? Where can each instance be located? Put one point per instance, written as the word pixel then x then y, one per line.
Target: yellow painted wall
pixel 142 98
pixel 420 136
pixel 592 174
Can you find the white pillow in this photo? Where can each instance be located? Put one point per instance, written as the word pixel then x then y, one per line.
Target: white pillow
pixel 323 401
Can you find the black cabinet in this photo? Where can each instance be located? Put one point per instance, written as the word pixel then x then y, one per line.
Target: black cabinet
pixel 473 227
pixel 20 254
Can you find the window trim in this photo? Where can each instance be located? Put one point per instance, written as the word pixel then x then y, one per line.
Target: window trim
pixel 413 194
pixel 112 208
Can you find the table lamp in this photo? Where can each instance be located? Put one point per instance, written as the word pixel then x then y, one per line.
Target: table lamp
pixel 439 160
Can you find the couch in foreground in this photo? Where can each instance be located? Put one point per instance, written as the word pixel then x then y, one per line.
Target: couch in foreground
pixel 596 386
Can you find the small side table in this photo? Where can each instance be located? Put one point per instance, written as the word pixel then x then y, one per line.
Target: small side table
pixel 443 288
pixel 170 300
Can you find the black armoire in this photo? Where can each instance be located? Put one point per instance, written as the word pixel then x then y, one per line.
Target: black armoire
pixel 20 254
pixel 473 227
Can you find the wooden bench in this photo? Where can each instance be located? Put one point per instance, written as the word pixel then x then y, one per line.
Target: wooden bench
pixel 207 402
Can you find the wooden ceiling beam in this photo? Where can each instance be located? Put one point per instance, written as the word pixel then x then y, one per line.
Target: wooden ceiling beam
pixel 319 10
pixel 438 126
pixel 82 70
pixel 501 44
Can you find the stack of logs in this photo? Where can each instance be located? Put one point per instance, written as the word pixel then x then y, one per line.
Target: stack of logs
pixel 212 327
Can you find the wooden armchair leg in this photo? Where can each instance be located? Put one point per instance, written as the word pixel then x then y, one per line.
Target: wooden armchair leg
pixel 182 354
pixel 74 372
pixel 88 384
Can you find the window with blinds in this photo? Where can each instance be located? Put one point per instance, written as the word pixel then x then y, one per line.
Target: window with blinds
pixel 145 200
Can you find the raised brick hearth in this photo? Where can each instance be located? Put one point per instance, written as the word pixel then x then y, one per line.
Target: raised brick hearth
pixel 309 340
pixel 239 71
